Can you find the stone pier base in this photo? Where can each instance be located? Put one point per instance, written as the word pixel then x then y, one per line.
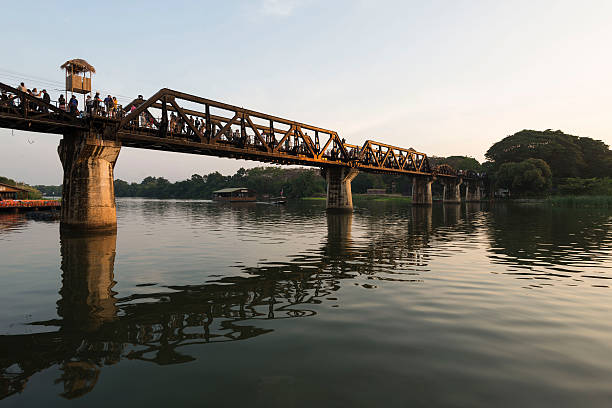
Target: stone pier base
pixel 88 197
pixel 339 196
pixel 452 191
pixel 421 191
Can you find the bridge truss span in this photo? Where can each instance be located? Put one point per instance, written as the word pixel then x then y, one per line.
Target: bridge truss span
pixel 172 120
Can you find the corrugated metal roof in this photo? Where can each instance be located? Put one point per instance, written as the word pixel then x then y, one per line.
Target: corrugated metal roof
pixel 230 190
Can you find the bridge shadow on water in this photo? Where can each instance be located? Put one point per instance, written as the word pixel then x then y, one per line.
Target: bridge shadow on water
pixel 97 328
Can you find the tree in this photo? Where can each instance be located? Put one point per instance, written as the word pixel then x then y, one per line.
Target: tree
pixel 597 158
pixel 559 150
pixel 457 162
pixel 531 176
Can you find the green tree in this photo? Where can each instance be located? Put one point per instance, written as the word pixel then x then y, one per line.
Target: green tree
pixel 457 162
pixel 597 158
pixel 559 150
pixel 529 177
pixel 590 186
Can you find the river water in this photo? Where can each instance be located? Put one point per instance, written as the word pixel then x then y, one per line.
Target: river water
pixel 196 303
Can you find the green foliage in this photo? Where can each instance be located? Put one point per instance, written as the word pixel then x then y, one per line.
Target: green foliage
pixel 294 183
pixel 457 162
pixel 50 191
pixel 597 157
pixel 391 183
pixel 33 193
pixel 588 187
pixel 529 177
pixel 567 155
pixel 6 180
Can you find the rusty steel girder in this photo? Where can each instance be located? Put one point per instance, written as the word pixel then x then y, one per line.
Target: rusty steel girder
pixel 205 126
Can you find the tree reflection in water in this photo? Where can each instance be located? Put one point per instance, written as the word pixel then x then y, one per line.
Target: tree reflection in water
pixel 545 244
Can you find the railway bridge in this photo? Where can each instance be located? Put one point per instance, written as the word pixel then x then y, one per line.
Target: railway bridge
pixel 175 121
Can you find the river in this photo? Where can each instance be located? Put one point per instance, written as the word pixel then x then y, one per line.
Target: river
pixel 198 303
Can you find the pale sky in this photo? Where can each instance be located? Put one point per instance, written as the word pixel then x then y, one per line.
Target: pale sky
pixel 443 77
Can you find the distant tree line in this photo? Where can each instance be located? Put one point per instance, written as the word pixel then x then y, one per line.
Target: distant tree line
pixel 50 191
pixel 293 183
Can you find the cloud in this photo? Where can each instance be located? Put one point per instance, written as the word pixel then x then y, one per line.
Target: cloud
pixel 279 7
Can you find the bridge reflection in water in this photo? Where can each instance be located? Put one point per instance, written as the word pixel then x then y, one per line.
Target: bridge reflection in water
pixel 97 328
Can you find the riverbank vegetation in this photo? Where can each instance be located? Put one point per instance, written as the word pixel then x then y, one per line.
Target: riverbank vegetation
pixel 272 181
pixel 539 163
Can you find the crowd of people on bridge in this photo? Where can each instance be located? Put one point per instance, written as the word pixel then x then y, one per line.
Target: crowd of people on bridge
pixel 96 106
pixel 191 127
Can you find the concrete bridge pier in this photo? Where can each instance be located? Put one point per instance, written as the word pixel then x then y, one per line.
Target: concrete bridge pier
pixel 421 191
pixel 339 196
pixel 88 196
pixel 472 191
pixel 452 190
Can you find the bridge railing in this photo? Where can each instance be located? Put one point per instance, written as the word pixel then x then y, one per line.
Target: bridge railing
pixel 29 108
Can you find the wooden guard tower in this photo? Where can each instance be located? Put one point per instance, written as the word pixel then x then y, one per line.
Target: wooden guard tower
pixel 77 80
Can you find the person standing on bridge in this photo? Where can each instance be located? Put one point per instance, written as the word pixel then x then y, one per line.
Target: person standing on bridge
pixel 22 87
pixel 88 105
pixel 115 106
pixel 73 105
pixel 108 104
pixel 61 101
pixel 46 99
pixel 172 123
pixel 96 103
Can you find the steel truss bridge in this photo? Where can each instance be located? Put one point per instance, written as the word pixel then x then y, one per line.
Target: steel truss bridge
pixel 175 121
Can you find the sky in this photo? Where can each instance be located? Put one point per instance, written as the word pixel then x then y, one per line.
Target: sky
pixel 443 77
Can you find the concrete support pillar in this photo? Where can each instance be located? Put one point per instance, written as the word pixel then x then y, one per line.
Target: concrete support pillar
pixel 452 190
pixel 421 191
pixel 88 196
pixel 472 191
pixel 339 196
